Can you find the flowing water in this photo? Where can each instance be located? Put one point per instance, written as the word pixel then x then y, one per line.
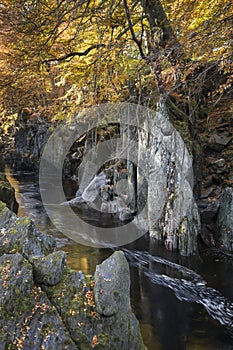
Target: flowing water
pixel 181 303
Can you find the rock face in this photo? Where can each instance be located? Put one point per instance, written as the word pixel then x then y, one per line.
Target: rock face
pixel 44 305
pixel 162 177
pixel 7 193
pixel 225 219
pixel 172 213
pixel 29 140
pixel 170 185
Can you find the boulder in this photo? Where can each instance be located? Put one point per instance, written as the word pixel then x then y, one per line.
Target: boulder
pixel 21 235
pixel 28 319
pixel 112 285
pixel 49 269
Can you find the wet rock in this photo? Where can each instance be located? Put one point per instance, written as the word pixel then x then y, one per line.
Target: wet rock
pixel 219 163
pixel 92 190
pixel 209 181
pixel 48 269
pixel 168 168
pixel 225 219
pixel 190 228
pixel 207 235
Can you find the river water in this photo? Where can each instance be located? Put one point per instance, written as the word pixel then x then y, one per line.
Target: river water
pixel 181 303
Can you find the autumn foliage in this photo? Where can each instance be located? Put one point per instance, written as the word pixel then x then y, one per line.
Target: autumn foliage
pixel 59 56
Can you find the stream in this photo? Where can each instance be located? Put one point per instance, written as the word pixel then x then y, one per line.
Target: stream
pixel 181 303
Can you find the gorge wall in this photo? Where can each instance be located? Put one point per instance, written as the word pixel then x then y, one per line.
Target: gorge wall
pixel 167 159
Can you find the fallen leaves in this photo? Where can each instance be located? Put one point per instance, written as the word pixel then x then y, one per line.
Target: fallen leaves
pixel 94 341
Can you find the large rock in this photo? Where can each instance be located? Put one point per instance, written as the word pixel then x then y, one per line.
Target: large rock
pixel 49 269
pixel 225 219
pixel 172 213
pixel 21 235
pixel 112 285
pixel 28 319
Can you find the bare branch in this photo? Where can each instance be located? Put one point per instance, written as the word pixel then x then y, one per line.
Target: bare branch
pixel 71 55
pixel 138 42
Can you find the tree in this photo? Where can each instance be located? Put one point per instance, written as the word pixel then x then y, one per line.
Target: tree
pixel 61 55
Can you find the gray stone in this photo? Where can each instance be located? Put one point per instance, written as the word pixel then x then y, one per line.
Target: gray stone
pixel 170 191
pixel 28 319
pixel 112 285
pixel 49 269
pixel 125 214
pixel 92 190
pixel 209 212
pixel 225 219
pixel 21 235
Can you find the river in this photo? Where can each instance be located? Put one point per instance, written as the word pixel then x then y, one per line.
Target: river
pixel 181 303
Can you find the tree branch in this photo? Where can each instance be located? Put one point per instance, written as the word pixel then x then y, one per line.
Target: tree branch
pixel 71 55
pixel 138 42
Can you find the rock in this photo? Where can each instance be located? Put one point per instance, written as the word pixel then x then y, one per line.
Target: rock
pixel 112 285
pixel 61 313
pixel 28 319
pixel 92 190
pixel 208 210
pixel 219 163
pixel 79 306
pixel 217 143
pixel 168 168
pixel 22 235
pixel 225 219
pixel 209 181
pixel 29 140
pixel 48 270
pixel 207 193
pixel 7 193
pixel 190 228
pixel 125 214
pixel 207 235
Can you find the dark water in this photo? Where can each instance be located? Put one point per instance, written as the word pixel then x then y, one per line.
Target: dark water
pixel 181 303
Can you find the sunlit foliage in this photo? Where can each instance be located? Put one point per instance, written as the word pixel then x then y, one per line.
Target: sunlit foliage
pixel 61 55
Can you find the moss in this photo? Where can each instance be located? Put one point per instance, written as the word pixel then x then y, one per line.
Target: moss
pixel 116 293
pixel 103 340
pixel 3 207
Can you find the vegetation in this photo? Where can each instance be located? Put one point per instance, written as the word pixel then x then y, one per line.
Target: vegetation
pixel 59 56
